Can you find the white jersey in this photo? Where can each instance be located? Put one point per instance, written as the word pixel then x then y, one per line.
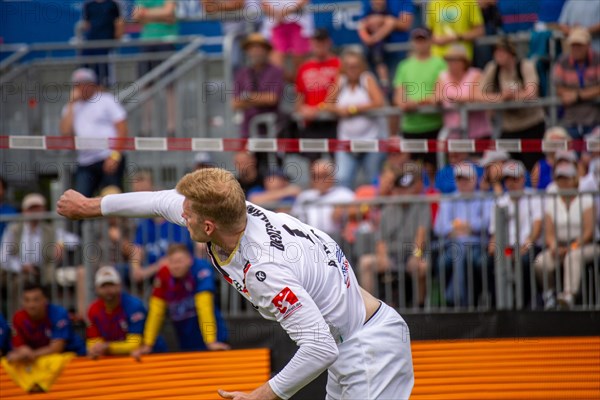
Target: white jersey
pixel 290 272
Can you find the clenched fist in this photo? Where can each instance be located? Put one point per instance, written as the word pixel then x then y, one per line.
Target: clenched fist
pixel 74 205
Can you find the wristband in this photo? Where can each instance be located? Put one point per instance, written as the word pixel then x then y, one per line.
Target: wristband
pixel 417 252
pixel 574 245
pixel 352 110
pixel 322 106
pixel 116 156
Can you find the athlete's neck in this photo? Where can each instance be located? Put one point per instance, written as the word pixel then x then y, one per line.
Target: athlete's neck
pixel 228 242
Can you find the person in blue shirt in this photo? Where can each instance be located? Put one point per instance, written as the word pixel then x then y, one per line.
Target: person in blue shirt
pixel 116 319
pixel 444 177
pixel 41 328
pixel 403 12
pixel 462 225
pixel 5 209
pixel 4 336
pixel 184 288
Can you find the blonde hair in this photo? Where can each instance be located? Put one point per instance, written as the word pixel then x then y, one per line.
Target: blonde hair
pixel 215 194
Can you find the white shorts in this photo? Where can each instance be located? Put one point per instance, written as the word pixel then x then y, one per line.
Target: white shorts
pixel 375 363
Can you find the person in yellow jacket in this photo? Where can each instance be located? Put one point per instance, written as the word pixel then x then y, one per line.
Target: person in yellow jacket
pixel 116 319
pixel 185 287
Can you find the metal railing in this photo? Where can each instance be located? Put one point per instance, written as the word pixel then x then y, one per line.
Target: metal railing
pixel 447 274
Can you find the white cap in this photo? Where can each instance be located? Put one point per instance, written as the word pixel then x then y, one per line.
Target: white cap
pixel 465 170
pixel 84 75
pixel 492 156
pixel 33 199
pixel 513 169
pixel 565 170
pixel 565 155
pixel 107 274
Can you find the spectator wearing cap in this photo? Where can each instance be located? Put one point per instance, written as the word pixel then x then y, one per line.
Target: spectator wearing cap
pixel 258 87
pixel 382 22
pixel 5 208
pixel 570 226
pixel 454 21
pixel 116 319
pixel 570 157
pixel 401 238
pixel 581 14
pixel 288 24
pixel 356 93
pixel 524 211
pixel 92 113
pixel 462 223
pixel 102 20
pixel 415 86
pixel 541 174
pixel 576 76
pixel 456 86
pixel 316 206
pixel 492 162
pixel 508 78
pixel 444 177
pixel 276 189
pixel 314 81
pixel 35 247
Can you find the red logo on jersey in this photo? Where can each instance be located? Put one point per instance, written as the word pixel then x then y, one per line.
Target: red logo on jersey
pixel 284 299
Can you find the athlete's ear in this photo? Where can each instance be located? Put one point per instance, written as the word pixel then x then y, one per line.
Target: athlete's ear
pixel 209 227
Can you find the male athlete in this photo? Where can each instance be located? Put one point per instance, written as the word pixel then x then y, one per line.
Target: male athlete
pixel 291 273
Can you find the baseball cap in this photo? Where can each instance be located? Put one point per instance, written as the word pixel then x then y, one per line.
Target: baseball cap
pixel 84 75
pixel 565 170
pixel 579 35
pixel 492 156
pixel 420 33
pixel 565 155
pixel 32 200
pixel 107 274
pixel 464 170
pixel 513 169
pixel 405 180
pixel 556 133
pixel 321 34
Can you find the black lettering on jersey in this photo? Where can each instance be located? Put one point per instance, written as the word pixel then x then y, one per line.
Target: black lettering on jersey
pixel 297 233
pixel 273 233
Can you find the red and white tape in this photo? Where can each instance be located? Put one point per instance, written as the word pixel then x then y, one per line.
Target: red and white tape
pixel 392 145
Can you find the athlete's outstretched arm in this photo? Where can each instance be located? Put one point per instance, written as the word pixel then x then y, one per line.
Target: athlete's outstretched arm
pixel 166 203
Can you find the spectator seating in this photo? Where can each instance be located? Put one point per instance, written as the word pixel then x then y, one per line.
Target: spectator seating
pixel 172 376
pixel 516 368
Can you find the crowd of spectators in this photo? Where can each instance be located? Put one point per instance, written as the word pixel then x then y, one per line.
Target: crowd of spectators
pixel 551 221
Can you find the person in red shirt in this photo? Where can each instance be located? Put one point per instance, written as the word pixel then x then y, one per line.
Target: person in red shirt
pixel 313 83
pixel 41 328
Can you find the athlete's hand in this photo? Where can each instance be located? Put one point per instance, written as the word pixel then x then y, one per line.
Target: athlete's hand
pixel 140 351
pixel 235 395
pixel 217 346
pixel 74 205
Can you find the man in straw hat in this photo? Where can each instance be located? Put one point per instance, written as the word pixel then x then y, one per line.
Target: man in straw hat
pixel 577 79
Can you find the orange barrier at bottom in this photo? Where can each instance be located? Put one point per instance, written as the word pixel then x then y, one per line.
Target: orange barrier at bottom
pixel 161 376
pixel 523 368
pixel 520 368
